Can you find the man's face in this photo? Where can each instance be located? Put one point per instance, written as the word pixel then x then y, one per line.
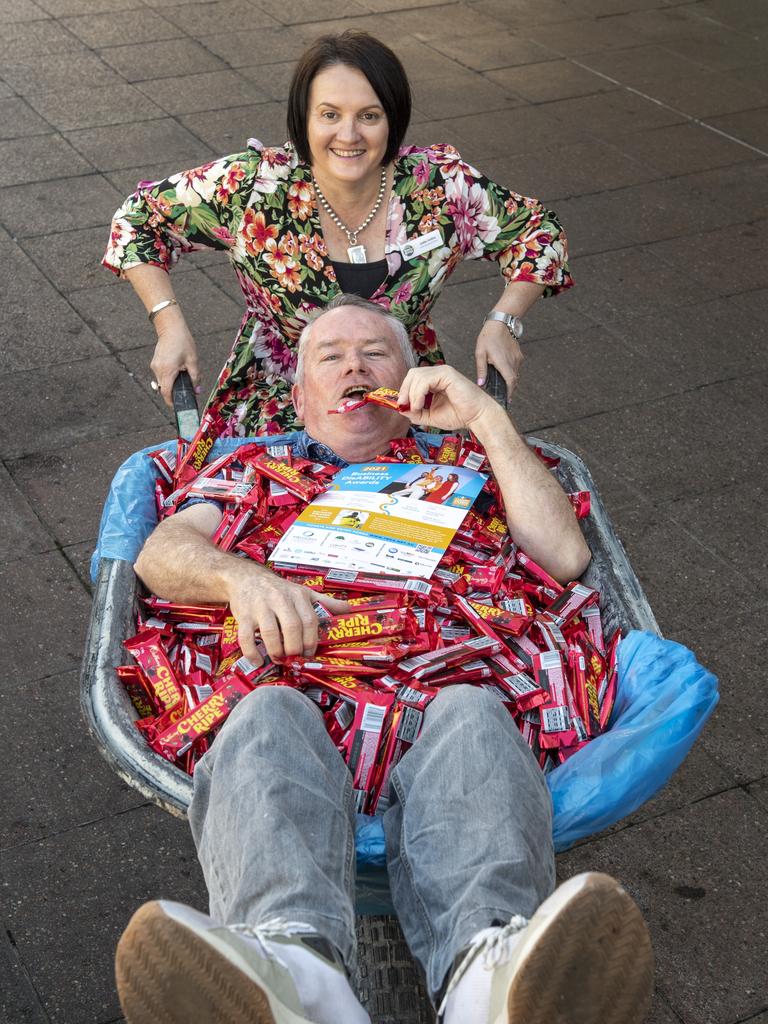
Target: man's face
pixel 350 351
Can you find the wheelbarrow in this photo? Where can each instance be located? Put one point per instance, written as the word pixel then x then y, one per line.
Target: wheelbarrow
pixel 387 979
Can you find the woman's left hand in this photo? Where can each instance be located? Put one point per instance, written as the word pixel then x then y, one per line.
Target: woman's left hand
pixel 495 345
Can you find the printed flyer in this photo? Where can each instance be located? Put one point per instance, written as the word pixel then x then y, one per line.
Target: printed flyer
pixel 382 517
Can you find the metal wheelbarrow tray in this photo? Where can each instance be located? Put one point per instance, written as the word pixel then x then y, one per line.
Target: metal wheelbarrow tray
pixel 386 977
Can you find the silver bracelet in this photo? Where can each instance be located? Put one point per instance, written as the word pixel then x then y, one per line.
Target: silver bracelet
pixel 513 323
pixel 160 307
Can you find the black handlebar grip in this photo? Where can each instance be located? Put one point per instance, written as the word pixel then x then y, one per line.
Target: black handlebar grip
pixel 185 406
pixel 496 386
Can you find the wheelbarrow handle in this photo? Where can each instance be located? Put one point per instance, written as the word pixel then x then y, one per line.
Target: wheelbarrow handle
pixel 496 386
pixel 185 406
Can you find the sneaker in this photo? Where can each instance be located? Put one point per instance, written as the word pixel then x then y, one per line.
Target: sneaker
pixel 175 965
pixel 585 957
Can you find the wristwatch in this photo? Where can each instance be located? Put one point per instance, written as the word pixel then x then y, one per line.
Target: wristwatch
pixel 513 323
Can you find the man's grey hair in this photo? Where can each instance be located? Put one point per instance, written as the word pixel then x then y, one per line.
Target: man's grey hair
pixel 338 302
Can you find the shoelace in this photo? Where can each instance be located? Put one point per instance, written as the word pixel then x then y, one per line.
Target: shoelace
pixel 495 947
pixel 266 929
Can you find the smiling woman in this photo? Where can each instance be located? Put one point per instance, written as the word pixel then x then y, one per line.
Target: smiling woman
pixel 343 207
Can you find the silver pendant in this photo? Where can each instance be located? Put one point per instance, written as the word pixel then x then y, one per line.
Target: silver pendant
pixel 356 254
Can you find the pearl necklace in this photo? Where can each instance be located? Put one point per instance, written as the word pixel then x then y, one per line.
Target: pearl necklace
pixel 355 252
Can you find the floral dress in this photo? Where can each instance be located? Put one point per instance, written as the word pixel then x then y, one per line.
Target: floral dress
pixel 260 206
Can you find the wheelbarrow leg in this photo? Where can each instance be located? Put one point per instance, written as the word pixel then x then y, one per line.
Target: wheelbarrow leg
pixel 389 983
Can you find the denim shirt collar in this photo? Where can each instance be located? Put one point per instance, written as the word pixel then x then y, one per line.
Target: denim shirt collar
pixel 306 447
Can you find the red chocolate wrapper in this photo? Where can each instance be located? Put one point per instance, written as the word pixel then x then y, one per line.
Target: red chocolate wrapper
pixel 292 479
pixel 535 570
pixel 556 724
pixel 209 714
pixel 363 742
pixel 581 502
pixel 363 623
pixel 401 730
pixel 148 651
pixel 591 616
pixel 570 602
pixel 428 664
pixel 138 691
pixel 448 452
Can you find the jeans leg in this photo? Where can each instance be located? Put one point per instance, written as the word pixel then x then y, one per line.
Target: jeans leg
pixel 272 817
pixel 469 828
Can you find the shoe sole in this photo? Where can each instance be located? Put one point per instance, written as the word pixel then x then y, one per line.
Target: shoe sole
pixel 590 962
pixel 167 974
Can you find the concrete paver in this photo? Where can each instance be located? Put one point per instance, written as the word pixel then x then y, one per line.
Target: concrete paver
pixel 643 122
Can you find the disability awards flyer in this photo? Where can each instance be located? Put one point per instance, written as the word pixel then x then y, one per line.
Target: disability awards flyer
pixel 382 517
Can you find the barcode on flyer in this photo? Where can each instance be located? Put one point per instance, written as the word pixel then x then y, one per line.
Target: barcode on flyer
pixel 341 574
pixel 555 719
pixel 373 718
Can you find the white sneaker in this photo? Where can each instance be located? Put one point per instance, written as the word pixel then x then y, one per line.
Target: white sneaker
pixel 175 965
pixel 585 957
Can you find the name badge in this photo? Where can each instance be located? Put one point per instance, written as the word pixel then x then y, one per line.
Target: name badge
pixel 421 244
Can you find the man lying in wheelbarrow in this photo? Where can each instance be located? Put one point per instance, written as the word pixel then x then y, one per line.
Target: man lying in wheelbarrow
pixel 469 824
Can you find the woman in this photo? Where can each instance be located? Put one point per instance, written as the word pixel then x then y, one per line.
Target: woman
pixel 342 206
pixel 442 492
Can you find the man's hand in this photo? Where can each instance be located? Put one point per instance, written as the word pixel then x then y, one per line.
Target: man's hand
pixel 280 611
pixel 454 403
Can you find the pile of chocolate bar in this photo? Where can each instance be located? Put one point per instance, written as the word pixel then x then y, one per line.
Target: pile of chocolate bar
pixel 488 616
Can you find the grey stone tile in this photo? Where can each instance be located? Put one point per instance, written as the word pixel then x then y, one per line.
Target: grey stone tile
pixel 118 318
pixel 273 45
pixel 520 130
pixel 70 260
pixel 52 72
pixel 46 612
pixel 18 1000
pixel 138 62
pixel 56 779
pixel 460 94
pixel 610 114
pixel 629 282
pixel 720 277
pixel 720 50
pixel 228 130
pixel 683 445
pixel 222 276
pixel 17 119
pixel 637 65
pixel 517 14
pixel 389 28
pixel 101 401
pixel 711 341
pixel 23 10
pixel 749 126
pixel 79 557
pixel 23 533
pixel 583 373
pixel 208 18
pixel 684 148
pixel 140 855
pixel 562 171
pixel 574 38
pixel 759 790
pixel 148 142
pixel 38 328
pixel 272 79
pixel 727 521
pixel 754 303
pixel 5 90
pixel 211 90
pixel 22 39
pixel 549 80
pixel 701 897
pixel 745 184
pixel 497 49
pixel 38 158
pixel 298 12
pixel 115 28
pixel 67 487
pixel 72 8
pixel 83 202
pixel 86 107
pixel 440 22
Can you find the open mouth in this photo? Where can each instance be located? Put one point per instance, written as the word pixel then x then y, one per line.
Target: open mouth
pixel 355 391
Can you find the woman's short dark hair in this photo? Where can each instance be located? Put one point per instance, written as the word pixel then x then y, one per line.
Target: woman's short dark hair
pixel 373 59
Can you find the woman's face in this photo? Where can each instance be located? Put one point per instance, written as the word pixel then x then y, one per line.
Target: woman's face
pixel 347 128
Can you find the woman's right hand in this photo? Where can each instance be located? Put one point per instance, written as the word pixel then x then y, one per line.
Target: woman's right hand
pixel 175 351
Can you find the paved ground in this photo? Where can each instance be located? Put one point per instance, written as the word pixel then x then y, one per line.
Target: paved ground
pixel 646 125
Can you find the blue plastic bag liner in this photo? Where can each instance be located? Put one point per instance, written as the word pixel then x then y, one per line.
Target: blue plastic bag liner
pixel 129 514
pixel 663 699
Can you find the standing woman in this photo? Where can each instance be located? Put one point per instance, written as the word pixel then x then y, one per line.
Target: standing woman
pixel 343 206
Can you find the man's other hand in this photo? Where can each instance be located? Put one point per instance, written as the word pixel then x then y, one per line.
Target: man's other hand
pixel 279 611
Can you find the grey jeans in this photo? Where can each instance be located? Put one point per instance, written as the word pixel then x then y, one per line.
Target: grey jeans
pixel 468 830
